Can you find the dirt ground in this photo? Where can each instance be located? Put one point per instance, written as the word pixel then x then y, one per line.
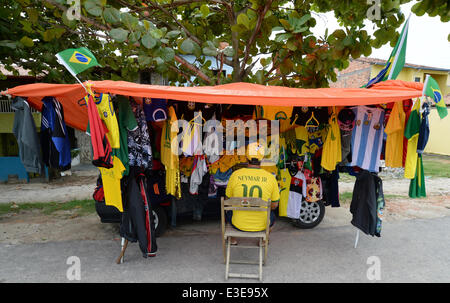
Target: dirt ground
pixel 34 226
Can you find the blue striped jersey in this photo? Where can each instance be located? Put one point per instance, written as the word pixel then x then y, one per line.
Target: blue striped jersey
pixel 367 138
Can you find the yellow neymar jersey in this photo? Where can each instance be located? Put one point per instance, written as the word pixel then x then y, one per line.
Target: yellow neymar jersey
pixel 106 111
pixel 255 183
pixel 111 183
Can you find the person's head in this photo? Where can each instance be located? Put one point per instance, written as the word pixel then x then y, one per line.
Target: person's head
pixel 255 153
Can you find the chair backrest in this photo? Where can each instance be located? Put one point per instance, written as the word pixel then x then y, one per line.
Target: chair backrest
pixel 245 204
pixel 253 204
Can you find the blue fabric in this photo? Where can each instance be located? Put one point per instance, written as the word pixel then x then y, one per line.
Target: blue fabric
pixel 424 131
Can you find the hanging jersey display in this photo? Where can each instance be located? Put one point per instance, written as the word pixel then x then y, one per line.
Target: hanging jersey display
pixel 107 114
pixel 284 184
pixel 313 187
pixel 192 137
pixel 412 134
pixel 273 112
pixel 127 122
pixel 367 138
pixel 139 145
pixel 394 130
pixel 332 152
pixel 54 137
pixel 297 192
pixel 199 169
pixel 102 152
pixel 155 109
pixel 169 159
pixel 24 129
pixel 111 183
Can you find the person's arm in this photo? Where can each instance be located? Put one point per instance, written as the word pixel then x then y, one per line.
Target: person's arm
pixel 275 194
pixel 274 205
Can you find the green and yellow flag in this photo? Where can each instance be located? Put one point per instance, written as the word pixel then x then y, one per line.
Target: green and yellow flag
pixel 432 90
pixel 396 61
pixel 77 60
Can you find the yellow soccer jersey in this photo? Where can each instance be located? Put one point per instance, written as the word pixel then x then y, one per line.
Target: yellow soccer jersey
pixel 274 112
pixel 285 183
pixel 394 142
pixel 332 150
pixel 255 183
pixel 106 111
pixel 169 159
pixel 111 183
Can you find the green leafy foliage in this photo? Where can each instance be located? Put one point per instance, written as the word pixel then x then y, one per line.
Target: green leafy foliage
pixel 127 36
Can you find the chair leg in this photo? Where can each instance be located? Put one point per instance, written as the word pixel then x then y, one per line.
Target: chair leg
pixel 227 264
pixel 266 247
pixel 260 259
pixel 224 249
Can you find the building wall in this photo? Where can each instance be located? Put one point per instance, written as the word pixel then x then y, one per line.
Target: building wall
pixel 438 142
pixel 356 75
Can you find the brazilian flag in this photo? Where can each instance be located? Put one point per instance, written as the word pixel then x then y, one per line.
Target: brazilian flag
pixel 417 185
pixel 77 60
pixel 396 61
pixel 432 90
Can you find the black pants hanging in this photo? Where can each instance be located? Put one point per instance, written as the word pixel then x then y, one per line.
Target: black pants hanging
pixel 138 222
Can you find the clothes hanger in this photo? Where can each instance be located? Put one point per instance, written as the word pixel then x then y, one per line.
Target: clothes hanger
pixel 313 119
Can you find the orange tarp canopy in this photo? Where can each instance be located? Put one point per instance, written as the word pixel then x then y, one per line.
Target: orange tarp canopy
pixel 234 93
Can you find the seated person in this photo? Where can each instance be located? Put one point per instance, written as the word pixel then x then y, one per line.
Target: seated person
pixel 255 182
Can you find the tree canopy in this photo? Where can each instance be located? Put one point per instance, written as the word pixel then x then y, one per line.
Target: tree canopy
pixel 264 41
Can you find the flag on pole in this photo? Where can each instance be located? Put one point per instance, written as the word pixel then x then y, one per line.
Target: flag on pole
pixel 432 90
pixel 396 60
pixel 77 60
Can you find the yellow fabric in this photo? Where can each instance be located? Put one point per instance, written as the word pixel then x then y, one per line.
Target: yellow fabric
pixel 106 111
pixel 285 183
pixel 272 169
pixel 301 135
pixel 411 151
pixel 332 153
pixel 186 164
pixel 111 183
pixel 394 131
pixel 256 183
pixel 274 112
pixel 170 160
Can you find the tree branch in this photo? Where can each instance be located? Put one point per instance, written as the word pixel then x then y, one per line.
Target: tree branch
pixel 162 9
pixel 193 69
pixel 253 36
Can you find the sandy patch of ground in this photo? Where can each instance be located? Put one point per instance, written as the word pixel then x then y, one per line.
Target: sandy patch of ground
pixel 34 226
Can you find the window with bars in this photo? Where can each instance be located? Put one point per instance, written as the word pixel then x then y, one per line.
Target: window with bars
pixel 5 106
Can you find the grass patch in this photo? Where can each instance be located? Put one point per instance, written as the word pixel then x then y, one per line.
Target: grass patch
pixel 346 197
pixel 436 166
pixel 80 207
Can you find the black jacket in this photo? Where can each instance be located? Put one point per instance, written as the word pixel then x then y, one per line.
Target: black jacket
pixel 367 190
pixel 137 219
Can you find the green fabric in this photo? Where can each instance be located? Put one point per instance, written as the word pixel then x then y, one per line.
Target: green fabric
pixel 413 125
pixel 432 90
pixel 417 185
pixel 77 60
pixel 127 122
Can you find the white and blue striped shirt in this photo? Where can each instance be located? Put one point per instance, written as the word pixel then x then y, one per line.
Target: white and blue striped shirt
pixel 367 138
